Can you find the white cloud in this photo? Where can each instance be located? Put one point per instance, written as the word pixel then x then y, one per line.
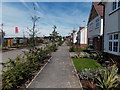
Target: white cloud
pixel 65 21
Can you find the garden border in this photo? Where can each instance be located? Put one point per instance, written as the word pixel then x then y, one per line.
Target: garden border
pixel 38 73
pixel 76 72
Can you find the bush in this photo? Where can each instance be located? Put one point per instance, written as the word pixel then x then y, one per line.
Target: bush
pixel 17 73
pixel 53 48
pixel 108 78
pixel 88 74
pixel 60 43
pixel 101 57
pixel 72 49
pixel 21 69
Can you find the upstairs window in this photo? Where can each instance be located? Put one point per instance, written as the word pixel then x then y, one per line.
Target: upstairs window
pixel 91 26
pixel 114 5
pixel 97 23
pixel 119 3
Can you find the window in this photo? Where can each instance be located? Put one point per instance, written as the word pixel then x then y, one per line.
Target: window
pixel 97 22
pixel 110 46
pixel 119 3
pixel 91 26
pixel 114 46
pixel 110 37
pixel 119 46
pixel 115 36
pixel 90 41
pixel 114 5
pixel 110 42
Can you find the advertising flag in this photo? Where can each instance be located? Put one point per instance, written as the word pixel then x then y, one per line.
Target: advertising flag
pixel 16 29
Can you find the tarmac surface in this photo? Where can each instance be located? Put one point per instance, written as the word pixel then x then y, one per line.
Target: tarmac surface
pixel 58 73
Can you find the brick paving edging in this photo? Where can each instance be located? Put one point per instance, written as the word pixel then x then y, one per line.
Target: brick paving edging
pixel 38 73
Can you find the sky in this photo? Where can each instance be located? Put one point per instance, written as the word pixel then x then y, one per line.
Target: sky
pixel 65 15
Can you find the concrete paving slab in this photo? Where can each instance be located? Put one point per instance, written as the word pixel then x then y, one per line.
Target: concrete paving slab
pixel 59 73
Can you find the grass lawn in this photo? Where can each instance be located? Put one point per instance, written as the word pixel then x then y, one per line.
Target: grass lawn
pixel 82 63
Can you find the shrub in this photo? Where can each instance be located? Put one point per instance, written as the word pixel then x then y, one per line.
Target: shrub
pixel 60 43
pixel 72 49
pixel 21 69
pixel 88 74
pixel 68 43
pixel 101 57
pixel 53 47
pixel 108 79
pixel 16 74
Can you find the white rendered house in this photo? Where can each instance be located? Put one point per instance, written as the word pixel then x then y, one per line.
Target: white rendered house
pixel 82 36
pixel 95 26
pixel 112 27
pixel 74 37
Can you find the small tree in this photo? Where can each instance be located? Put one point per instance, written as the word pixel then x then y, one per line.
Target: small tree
pixel 54 34
pixel 33 32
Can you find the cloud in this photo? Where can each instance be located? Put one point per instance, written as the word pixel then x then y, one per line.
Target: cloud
pixel 64 16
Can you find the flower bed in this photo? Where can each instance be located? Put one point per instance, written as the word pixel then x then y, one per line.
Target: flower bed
pixel 93 75
pixel 21 70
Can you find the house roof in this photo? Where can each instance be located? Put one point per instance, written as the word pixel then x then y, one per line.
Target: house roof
pixel 81 28
pixel 98 8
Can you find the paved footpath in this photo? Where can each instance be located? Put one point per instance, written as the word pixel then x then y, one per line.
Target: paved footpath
pixel 59 73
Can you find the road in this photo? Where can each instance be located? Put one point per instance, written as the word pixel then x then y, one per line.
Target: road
pixel 59 72
pixel 14 53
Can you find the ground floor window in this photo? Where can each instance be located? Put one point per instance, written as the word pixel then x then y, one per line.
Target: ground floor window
pixel 110 46
pixel 114 43
pixel 90 41
pixel 115 47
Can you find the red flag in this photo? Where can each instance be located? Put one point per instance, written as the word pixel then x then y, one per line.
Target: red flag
pixel 16 29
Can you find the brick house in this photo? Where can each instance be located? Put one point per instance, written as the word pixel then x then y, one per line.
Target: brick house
pixel 95 26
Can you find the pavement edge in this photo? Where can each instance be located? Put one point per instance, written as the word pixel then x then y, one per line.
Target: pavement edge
pixel 38 73
pixel 76 72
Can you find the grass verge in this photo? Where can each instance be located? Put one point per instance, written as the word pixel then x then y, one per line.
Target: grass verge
pixel 82 63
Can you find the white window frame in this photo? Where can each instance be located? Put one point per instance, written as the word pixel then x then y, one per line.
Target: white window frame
pixel 114 40
pixel 117 5
pixel 114 7
pixel 90 41
pixel 91 26
pixel 97 21
pixel 110 40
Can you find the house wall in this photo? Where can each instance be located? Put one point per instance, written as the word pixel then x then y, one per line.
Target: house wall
pixel 95 35
pixel 95 30
pixel 74 37
pixel 83 36
pixel 112 26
